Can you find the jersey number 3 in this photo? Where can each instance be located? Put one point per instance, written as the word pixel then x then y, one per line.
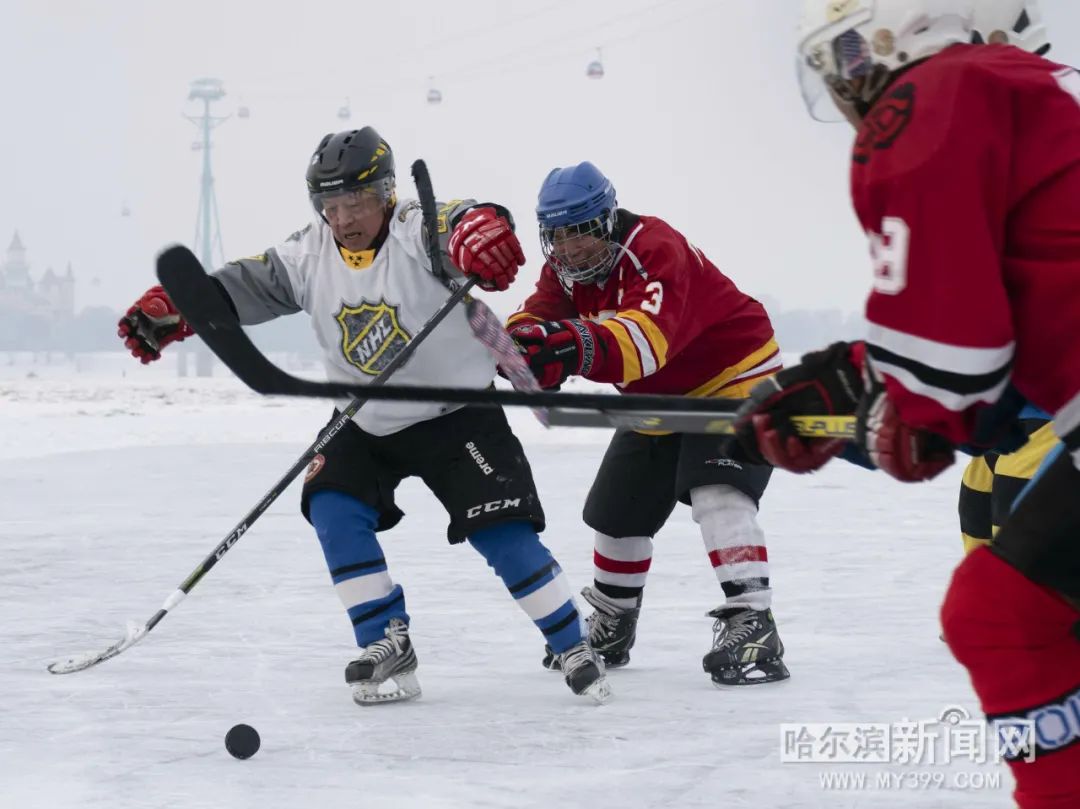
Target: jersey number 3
pixel 889 250
pixel 655 292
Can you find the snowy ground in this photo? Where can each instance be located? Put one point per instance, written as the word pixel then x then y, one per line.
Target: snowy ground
pixel 115 488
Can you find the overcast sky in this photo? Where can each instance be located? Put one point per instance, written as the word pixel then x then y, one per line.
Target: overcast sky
pixel 698 120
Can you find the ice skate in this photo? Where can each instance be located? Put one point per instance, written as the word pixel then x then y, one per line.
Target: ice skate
pixel 388 662
pixel 583 670
pixel 612 630
pixel 746 648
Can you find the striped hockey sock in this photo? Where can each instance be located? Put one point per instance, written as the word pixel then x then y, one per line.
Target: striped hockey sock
pixel 534 579
pixel 735 544
pixel 346 529
pixel 620 566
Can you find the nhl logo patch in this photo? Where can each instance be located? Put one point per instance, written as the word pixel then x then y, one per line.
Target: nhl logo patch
pixel 371 335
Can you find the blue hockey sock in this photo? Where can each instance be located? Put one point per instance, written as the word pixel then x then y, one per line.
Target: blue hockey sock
pixel 534 579
pixel 346 529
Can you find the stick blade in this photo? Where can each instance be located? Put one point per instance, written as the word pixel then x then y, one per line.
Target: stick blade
pixel 84 660
pixel 206 308
pixel 195 293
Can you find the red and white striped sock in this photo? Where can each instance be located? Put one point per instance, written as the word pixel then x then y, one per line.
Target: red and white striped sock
pixel 735 544
pixel 620 565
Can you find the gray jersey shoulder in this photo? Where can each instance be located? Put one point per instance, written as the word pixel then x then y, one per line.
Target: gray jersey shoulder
pixel 362 317
pixel 271 284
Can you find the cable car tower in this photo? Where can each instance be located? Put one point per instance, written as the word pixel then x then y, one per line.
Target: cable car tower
pixel 207 223
pixel 208 243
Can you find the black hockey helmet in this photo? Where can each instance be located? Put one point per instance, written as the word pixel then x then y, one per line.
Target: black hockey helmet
pixel 355 160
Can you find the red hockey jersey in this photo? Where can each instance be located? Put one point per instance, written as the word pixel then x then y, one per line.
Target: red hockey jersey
pixel 668 320
pixel 966 177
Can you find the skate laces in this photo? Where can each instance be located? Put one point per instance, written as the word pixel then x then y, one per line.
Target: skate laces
pixel 577 656
pixel 378 651
pixel 397 633
pixel 604 623
pixel 735 629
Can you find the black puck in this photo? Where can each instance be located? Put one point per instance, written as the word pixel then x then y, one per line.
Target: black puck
pixel 242 741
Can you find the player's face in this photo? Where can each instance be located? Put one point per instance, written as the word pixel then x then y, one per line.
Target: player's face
pixel 355 217
pixel 577 250
pixel 846 108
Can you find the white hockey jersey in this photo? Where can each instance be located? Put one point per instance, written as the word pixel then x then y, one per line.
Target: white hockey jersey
pixel 364 317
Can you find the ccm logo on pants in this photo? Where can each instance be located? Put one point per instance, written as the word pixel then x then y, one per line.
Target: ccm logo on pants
pixel 494 505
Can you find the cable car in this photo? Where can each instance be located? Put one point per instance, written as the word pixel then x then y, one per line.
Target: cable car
pixel 595 70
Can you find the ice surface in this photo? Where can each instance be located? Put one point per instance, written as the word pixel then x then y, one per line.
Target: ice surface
pixel 114 489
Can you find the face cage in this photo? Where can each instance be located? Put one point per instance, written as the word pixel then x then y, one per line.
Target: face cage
pixel 845 74
pixel 597 264
pixel 382 192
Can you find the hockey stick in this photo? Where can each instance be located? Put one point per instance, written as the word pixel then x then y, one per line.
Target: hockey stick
pixel 490 331
pixel 222 333
pixel 631 411
pixel 215 322
pixel 192 290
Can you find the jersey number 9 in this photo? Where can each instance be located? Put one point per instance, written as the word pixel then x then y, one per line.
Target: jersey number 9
pixel 889 250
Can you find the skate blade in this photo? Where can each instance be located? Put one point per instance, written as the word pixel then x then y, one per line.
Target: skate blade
pixel 599 691
pixel 405 687
pixel 770 671
pixel 552 663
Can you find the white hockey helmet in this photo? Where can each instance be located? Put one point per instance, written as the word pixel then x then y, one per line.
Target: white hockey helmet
pixel 1013 22
pixel 848 49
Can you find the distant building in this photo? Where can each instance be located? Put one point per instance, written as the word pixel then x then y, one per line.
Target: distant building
pixel 51 297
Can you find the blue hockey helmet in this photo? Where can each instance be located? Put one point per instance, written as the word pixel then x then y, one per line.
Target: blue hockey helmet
pixel 576 213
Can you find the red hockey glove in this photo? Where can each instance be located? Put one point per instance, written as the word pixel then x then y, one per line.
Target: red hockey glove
pixel 1019 642
pixel 556 350
pixel 826 382
pixel 483 244
pixel 151 324
pixel 906 453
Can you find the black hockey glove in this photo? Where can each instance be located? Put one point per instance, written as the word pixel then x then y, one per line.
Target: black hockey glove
pixel 556 349
pixel 825 383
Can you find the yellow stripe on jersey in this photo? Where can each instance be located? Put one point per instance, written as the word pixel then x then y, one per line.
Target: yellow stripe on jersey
pixel 737 390
pixel 656 338
pixel 719 383
pixel 631 364
pixel 520 317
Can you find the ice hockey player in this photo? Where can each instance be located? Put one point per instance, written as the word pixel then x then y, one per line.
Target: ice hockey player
pixel 362 273
pixel 626 299
pixel 966 176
